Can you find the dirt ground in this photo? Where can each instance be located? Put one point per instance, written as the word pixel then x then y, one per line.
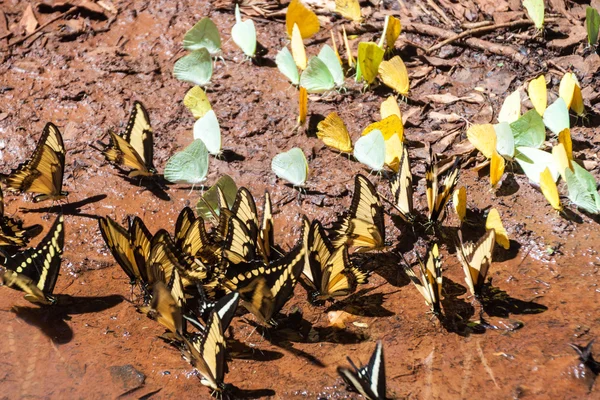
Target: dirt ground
pixel 83 73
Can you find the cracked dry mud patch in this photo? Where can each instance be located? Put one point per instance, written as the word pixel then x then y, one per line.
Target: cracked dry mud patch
pixel 84 76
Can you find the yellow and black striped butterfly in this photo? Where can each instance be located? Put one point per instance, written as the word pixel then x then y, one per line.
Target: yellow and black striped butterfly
pixel 402 189
pixel 329 271
pixel 43 173
pixel 12 232
pixel 35 270
pixel 363 226
pixel 369 380
pixel 206 351
pixel 430 282
pixel 191 238
pixel 436 202
pixel 266 240
pixel 266 288
pixel 134 148
pixel 166 309
pixel 239 246
pixel 476 260
pixel 123 244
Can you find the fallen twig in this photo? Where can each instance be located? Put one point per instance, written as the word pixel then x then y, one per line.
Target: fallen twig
pixel 60 16
pixel 480 30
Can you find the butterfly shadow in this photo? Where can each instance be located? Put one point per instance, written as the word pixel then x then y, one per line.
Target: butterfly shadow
pixel 293 329
pixel 363 305
pixel 157 185
pixel 239 350
pixel 229 155
pixel 52 321
pixel 387 265
pixel 498 303
pixel 457 312
pixel 68 208
pixel 250 393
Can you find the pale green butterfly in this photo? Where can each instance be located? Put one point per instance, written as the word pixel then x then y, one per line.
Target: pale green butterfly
pixel 535 10
pixel 208 130
pixel 582 189
pixel 505 141
pixel 534 162
pixel 287 66
pixel 291 166
pixel 208 206
pixel 317 78
pixel 511 108
pixel 556 116
pixel 244 34
pixel 195 68
pixel 203 35
pixel 189 165
pixel 331 60
pixel 370 150
pixel 592 24
pixel 529 130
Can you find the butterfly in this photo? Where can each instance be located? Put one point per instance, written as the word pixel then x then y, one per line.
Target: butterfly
pixel 430 282
pixel 329 271
pixel 370 56
pixel 35 270
pixel 287 65
pixel 390 107
pixel 459 202
pixel 363 226
pixel 243 34
pixel 291 166
pixel 206 352
pixel 402 189
pixel 493 221
pixel 265 288
pixel 333 132
pixel 391 31
pixel 133 148
pixel 12 232
pixel 204 34
pixel 192 239
pixel 368 380
pixel 190 165
pixel 298 50
pixel 549 189
pixel 393 74
pixel 125 243
pixel 323 72
pixel 556 117
pixel 166 309
pixel 195 68
pixel 349 9
pixel 302 106
pixel 370 150
pixel 538 94
pixel 307 21
pixel 239 244
pixel 197 102
pixel 43 173
pixel 436 201
pixel 266 241
pixel 208 130
pixel 476 260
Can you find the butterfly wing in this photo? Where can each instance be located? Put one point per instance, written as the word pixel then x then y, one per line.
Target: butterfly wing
pixel 332 131
pixel 119 242
pixel 266 239
pixel 402 189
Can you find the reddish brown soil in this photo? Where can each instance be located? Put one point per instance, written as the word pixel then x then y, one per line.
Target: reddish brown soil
pixel 86 84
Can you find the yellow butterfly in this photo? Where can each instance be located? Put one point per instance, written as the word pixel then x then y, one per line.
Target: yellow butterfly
pixel 459 201
pixel 483 137
pixel 393 152
pixel 564 138
pixel 538 94
pixel 497 165
pixel 302 105
pixel 298 51
pixel 549 189
pixel 332 131
pixel 197 102
pixel 562 159
pixel 298 14
pixel 393 74
pixel 390 107
pixel 570 91
pixel 494 222
pixel 351 61
pixel 391 31
pixel 349 9
pixel 369 57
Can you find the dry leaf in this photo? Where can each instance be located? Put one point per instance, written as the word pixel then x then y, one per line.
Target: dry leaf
pixel 339 318
pixel 29 22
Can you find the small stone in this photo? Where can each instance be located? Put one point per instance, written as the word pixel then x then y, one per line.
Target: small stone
pixel 127 377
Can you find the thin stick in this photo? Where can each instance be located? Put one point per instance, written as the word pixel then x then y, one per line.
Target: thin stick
pixel 483 29
pixel 61 16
